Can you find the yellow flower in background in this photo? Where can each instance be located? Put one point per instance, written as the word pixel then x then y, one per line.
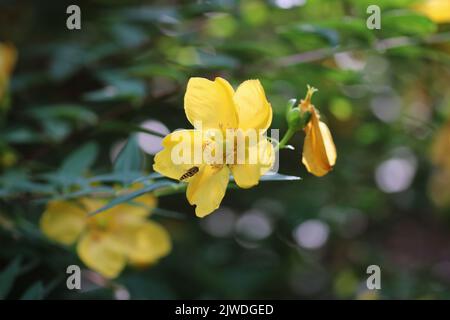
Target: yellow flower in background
pixel 8 57
pixel 436 10
pixel 215 105
pixel 106 242
pixel 440 149
pixel 439 184
pixel 319 151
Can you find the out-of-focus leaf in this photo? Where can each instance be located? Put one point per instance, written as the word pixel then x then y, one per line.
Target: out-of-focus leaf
pixel 125 127
pixel 129 35
pixel 118 87
pixel 278 177
pixel 150 14
pixel 383 4
pixel 8 275
pixel 116 177
pixel 67 60
pixel 348 28
pixel 154 175
pixel 107 191
pixel 21 135
pixel 56 130
pixel 18 181
pixel 129 159
pixel 310 37
pixel 207 60
pixel 134 194
pixel 403 22
pixel 71 112
pixel 80 160
pixel 35 292
pixel 151 70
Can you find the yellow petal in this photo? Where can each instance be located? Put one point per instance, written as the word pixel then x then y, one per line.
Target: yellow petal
pixel 169 162
pixel 254 111
pixel 248 174
pixel 207 189
pixel 436 10
pixel 100 252
pixel 319 151
pixel 63 221
pixel 143 243
pixel 210 103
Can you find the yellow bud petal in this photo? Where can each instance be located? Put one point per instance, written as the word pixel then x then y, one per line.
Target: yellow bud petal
pixel 319 151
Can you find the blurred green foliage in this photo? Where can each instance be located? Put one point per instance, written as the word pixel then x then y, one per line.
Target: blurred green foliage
pixel 384 94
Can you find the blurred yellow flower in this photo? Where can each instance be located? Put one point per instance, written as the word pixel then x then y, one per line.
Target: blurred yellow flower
pixel 106 242
pixel 8 57
pixel 214 105
pixel 439 185
pixel 319 151
pixel 440 149
pixel 436 10
pixel 439 188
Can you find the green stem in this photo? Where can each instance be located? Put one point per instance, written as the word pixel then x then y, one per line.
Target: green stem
pixel 287 136
pixel 176 188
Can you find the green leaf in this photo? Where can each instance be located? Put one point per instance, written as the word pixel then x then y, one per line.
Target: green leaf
pixel 279 177
pixel 18 181
pixel 70 112
pixel 34 292
pixel 151 176
pixel 146 70
pixel 118 87
pixel 80 160
pixel 125 127
pixel 21 135
pixel 134 194
pixel 56 130
pixel 129 160
pixel 116 177
pixel 8 275
pixel 107 191
pixel 404 22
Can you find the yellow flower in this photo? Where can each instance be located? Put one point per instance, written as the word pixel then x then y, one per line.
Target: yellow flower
pixel 215 106
pixel 436 10
pixel 8 57
pixel 319 151
pixel 106 242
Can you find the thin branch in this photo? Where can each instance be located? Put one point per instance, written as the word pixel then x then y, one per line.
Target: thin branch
pixel 381 46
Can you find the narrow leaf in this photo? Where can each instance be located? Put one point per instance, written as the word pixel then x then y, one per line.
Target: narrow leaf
pixel 130 196
pixel 8 275
pixel 279 177
pixel 80 160
pixel 34 292
pixel 129 159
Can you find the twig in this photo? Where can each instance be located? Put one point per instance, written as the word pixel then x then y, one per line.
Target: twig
pixel 381 45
